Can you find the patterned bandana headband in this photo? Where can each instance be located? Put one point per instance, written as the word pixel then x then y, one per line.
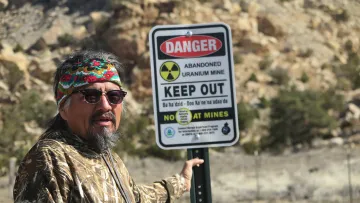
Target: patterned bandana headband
pixel 83 73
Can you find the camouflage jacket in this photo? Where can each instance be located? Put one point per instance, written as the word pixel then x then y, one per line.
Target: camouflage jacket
pixel 61 168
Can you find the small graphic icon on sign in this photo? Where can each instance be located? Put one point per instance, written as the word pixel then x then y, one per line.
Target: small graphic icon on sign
pixel 225 129
pixel 169 71
pixel 183 116
pixel 169 132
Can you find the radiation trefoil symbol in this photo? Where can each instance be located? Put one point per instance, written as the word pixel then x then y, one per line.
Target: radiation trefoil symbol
pixel 169 71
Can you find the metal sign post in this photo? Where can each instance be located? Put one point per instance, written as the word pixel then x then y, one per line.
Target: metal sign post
pixel 200 185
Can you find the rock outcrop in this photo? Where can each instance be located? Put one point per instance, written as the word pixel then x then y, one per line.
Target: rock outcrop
pixel 301 38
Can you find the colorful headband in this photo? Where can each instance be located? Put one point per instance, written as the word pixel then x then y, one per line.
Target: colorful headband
pixel 83 73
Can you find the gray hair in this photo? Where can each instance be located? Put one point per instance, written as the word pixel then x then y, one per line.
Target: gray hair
pixel 66 103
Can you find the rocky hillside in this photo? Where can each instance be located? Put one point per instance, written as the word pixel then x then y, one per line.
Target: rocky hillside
pixel 278 45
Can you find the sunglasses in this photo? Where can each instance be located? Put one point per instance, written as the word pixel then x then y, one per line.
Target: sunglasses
pixel 92 96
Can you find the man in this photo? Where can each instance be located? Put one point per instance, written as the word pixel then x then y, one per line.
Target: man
pixel 72 161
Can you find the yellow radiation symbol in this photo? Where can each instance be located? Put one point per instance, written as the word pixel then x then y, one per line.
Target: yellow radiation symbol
pixel 169 71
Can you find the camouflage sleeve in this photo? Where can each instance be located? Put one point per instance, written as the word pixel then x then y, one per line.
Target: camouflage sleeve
pixel 42 177
pixel 167 190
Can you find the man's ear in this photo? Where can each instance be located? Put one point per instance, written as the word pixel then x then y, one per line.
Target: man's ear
pixel 63 113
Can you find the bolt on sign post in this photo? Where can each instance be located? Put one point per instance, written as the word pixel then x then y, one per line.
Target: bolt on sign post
pixel 194 94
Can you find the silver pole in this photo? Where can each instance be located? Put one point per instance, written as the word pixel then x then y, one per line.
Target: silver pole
pixel 257 166
pixel 12 166
pixel 348 157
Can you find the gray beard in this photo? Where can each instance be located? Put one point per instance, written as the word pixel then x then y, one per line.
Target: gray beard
pixel 102 141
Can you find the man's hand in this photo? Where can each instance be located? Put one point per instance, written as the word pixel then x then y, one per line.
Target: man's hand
pixel 187 171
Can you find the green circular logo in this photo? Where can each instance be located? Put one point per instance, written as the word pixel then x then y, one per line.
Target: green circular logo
pixel 183 116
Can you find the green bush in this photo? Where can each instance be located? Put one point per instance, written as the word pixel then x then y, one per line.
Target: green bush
pixel 350 71
pixel 304 78
pixel 16 142
pixel 264 103
pixel 251 146
pixel 340 15
pixel 280 76
pixel 253 77
pixel 343 84
pixel 348 46
pixel 138 139
pixel 298 117
pixel 33 108
pixel 238 58
pixel 171 155
pixel 133 130
pixel 306 53
pixel 326 66
pixel 66 40
pixel 18 48
pixel 246 115
pixel 13 75
pixel 331 100
pixel 265 63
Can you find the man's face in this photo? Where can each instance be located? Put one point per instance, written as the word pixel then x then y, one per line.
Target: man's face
pixel 86 119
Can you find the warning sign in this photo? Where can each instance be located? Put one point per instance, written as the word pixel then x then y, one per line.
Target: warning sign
pixel 193 85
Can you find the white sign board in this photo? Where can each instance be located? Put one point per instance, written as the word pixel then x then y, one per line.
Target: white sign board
pixel 193 86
